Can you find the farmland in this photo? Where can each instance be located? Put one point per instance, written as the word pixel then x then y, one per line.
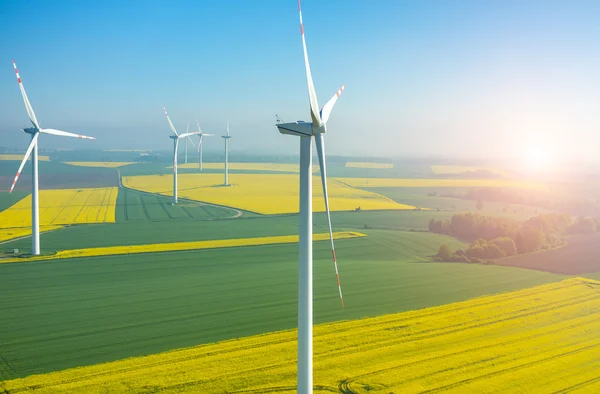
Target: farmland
pixel 135 206
pixel 494 343
pixel 357 164
pixel 441 182
pixel 261 193
pixel 178 246
pixel 456 170
pixel 66 206
pixel 101 164
pixel 89 310
pixel 579 256
pixel 260 167
pixel 157 276
pixel 12 157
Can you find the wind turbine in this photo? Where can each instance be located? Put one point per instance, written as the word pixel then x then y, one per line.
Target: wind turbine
pixel 176 139
pixel 187 130
pixel 306 131
pixel 33 151
pixel 201 137
pixel 227 138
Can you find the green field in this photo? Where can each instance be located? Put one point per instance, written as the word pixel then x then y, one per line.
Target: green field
pixel 84 311
pixel 134 206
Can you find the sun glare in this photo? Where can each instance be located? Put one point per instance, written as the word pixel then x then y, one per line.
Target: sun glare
pixel 538 158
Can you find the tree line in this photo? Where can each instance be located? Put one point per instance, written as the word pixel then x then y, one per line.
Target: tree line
pixel 496 237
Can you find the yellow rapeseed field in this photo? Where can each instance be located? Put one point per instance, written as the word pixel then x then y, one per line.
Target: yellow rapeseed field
pixel 16 232
pixel 178 246
pixel 449 170
pixel 7 156
pixel 64 206
pixel 543 339
pixel 103 164
pixel 275 167
pixel 356 164
pixel 397 182
pixel 262 193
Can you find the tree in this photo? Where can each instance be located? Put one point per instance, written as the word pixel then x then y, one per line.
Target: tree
pixel 506 244
pixel 529 240
pixel 444 253
pixel 583 226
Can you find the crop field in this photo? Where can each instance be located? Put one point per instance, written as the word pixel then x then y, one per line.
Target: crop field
pixel 178 246
pixel 135 206
pixel 260 193
pixel 441 182
pixel 357 164
pixel 66 206
pixel 275 167
pixel 81 311
pixel 11 157
pixel 102 164
pixel 17 232
pixel 455 170
pixel 143 232
pixel 490 344
pixel 579 256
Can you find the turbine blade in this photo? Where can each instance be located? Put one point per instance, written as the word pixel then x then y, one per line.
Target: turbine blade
pixel 188 137
pixel 326 110
pixel 320 141
pixel 198 124
pixel 65 134
pixel 187 134
pixel 312 95
pixel 27 154
pixel 28 107
pixel 208 135
pixel 227 127
pixel 170 123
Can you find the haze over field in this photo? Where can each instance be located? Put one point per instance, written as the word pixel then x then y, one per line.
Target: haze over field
pixel 498 79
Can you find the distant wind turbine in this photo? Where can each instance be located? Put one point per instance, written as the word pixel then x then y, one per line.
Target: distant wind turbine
pixel 227 137
pixel 176 139
pixel 306 131
pixel 201 138
pixel 186 141
pixel 33 151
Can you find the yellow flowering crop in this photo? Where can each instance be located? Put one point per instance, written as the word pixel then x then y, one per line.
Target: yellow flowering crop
pixel 104 164
pixel 179 246
pixel 397 182
pixel 356 164
pixel 64 206
pixel 7 156
pixel 16 232
pixel 542 339
pixel 275 167
pixel 262 193
pixel 447 170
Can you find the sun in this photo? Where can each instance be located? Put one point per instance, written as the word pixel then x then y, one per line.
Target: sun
pixel 538 158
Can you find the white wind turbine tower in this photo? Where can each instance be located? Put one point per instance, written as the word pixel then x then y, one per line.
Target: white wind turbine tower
pixel 201 138
pixel 176 139
pixel 306 131
pixel 227 138
pixel 33 151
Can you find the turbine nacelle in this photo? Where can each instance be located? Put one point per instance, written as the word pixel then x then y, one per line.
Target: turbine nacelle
pixel 30 130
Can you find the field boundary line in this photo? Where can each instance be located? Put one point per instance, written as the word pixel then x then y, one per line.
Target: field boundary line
pixel 182 246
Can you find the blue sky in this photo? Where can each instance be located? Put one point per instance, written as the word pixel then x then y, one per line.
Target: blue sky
pixel 453 78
